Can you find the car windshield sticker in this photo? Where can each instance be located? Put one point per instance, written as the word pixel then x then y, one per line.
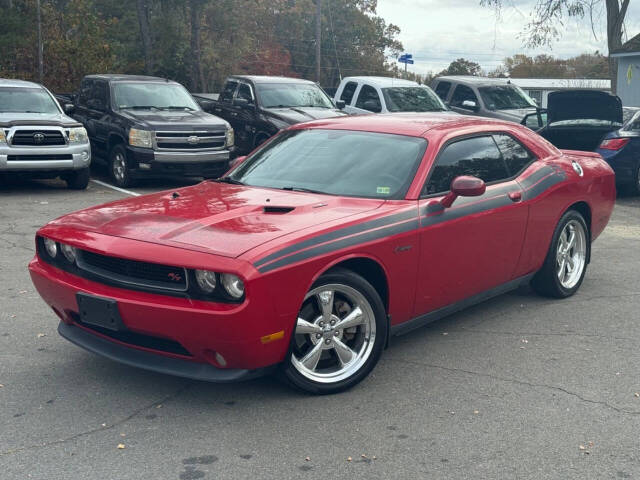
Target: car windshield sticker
pixel 383 190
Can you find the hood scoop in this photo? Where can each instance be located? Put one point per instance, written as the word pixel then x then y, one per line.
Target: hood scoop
pixel 273 209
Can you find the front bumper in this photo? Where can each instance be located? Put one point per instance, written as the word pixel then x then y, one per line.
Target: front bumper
pixel 147 162
pixel 199 329
pixel 76 157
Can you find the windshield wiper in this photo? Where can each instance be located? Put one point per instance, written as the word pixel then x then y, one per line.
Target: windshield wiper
pixel 230 180
pixel 139 107
pixel 177 107
pixel 302 189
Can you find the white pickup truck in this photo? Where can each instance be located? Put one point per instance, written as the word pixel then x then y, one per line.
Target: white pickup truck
pixel 386 95
pixel 37 139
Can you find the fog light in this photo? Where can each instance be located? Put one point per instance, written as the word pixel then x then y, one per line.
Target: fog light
pixel 85 155
pixel 233 285
pixel 206 280
pixel 51 247
pixel 69 252
pixel 144 166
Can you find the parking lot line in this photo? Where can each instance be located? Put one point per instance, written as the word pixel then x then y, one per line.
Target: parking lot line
pixel 104 184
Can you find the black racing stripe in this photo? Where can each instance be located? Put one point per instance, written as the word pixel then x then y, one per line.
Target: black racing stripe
pixel 339 244
pixel 536 176
pixel 452 214
pixel 544 185
pixel 339 233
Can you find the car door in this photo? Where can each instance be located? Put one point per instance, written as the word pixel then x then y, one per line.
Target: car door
pixel 462 94
pixel 367 101
pixel 100 116
pixel 474 245
pixel 347 95
pixel 243 116
pixel 223 106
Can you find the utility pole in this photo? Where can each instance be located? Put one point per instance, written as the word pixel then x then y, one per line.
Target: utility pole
pixel 40 60
pixel 318 37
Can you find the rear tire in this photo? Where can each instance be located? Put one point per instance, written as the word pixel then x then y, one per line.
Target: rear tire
pixel 78 180
pixel 566 263
pixel 325 358
pixel 119 170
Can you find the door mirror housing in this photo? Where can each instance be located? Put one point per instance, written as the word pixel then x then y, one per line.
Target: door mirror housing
pixel 69 108
pixel 340 104
pixel 463 186
pixel 244 103
pixel 470 105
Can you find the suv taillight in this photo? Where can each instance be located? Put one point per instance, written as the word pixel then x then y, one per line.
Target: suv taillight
pixel 614 143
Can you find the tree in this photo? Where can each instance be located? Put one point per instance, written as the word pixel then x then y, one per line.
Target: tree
pixel 462 66
pixel 197 75
pixel 547 22
pixel 145 33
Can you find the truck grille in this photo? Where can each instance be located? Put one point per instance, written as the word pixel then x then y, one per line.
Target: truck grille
pixel 38 138
pixel 37 158
pixel 133 272
pixel 190 140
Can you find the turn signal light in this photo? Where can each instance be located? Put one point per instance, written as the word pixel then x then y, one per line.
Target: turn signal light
pixel 272 337
pixel 614 143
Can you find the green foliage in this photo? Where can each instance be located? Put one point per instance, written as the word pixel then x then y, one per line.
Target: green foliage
pixel 546 66
pixel 462 66
pixel 273 37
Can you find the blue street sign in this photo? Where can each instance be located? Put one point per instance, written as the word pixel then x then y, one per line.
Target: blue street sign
pixel 406 58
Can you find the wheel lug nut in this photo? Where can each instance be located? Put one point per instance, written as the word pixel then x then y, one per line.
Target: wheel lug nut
pixel 336 333
pixel 327 341
pixel 333 322
pixel 318 335
pixel 321 324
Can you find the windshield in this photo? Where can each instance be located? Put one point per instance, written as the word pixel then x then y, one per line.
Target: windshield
pixel 26 100
pixel 505 97
pixel 274 95
pixel 412 99
pixel 153 95
pixel 336 162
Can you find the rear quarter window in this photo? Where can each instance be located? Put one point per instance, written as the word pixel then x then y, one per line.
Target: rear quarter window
pixel 348 91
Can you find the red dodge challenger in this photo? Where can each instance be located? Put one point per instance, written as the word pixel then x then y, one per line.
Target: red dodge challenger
pixel 325 241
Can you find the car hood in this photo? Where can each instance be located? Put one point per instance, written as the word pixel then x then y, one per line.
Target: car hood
pixel 174 119
pixel 217 218
pixel 293 115
pixel 10 119
pixel 514 115
pixel 583 104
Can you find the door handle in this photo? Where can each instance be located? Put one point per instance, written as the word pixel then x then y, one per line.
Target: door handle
pixel 515 196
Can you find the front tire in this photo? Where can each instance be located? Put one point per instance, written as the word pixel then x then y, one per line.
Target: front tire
pixel 339 336
pixel 78 180
pixel 566 264
pixel 119 170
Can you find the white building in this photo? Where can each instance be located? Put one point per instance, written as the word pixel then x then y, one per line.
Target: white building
pixel 539 88
pixel 628 57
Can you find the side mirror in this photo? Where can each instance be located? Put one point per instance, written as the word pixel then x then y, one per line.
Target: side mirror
pixel 470 105
pixel 340 104
pixel 464 186
pixel 243 103
pixel 69 108
pixel 372 106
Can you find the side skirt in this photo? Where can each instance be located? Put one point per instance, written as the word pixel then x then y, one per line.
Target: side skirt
pixel 442 312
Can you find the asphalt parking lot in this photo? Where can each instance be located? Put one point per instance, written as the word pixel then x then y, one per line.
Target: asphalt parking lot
pixel 518 387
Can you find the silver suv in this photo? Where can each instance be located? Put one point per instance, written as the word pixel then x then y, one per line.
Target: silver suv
pixel 37 139
pixel 486 97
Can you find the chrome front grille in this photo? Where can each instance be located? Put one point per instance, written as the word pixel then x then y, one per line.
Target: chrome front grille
pixel 37 138
pixel 200 140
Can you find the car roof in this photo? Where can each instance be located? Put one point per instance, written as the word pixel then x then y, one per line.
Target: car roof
pixel 270 79
pixel 9 82
pixel 118 77
pixel 411 124
pixel 382 81
pixel 474 80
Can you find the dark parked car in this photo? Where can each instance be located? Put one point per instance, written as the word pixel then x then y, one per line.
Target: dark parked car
pixel 258 107
pixel 148 126
pixel 621 150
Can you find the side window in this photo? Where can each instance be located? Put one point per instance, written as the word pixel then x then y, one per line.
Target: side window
pixel 348 91
pixel 368 99
pixel 85 92
pixel 100 95
pixel 244 92
pixel 229 90
pixel 476 156
pixel 515 155
pixel 634 124
pixel 442 90
pixel 462 93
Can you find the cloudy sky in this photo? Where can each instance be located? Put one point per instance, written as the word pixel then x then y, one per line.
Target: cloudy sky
pixel 437 32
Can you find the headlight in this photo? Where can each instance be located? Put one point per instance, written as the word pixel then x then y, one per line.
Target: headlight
pixel 3 138
pixel 206 280
pixel 69 252
pixel 51 247
pixel 230 138
pixel 140 138
pixel 78 135
pixel 233 285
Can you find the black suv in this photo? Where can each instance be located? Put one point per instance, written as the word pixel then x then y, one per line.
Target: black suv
pixel 149 126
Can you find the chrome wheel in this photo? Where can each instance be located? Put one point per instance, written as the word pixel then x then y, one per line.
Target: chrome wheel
pixel 571 254
pixel 119 167
pixel 335 333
